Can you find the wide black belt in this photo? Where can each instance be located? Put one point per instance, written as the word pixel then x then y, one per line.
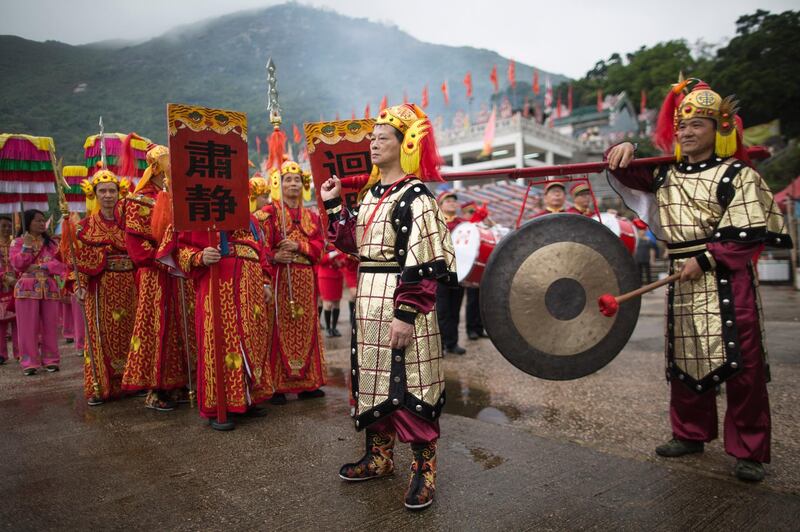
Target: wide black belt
pixel 375 266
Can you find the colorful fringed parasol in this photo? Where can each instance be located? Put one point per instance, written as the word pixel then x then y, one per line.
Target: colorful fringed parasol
pixel 26 172
pixel 114 148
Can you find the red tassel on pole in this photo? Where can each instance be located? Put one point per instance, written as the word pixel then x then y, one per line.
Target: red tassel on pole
pixel 277 147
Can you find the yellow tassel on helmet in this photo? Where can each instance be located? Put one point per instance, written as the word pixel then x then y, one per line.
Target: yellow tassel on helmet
pixel 725 145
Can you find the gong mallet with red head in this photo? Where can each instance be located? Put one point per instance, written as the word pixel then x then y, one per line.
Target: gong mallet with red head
pixel 609 305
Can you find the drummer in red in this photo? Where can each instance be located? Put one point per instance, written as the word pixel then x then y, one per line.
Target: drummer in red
pixel 330 282
pixel 554 197
pixel 448 299
pixel 582 199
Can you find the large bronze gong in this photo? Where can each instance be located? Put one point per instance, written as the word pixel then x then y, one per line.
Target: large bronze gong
pixel 539 296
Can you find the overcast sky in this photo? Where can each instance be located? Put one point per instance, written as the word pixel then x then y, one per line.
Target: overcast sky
pixel 566 36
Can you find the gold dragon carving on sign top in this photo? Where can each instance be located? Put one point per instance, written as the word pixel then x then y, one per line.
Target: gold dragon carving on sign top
pixel 333 132
pixel 199 118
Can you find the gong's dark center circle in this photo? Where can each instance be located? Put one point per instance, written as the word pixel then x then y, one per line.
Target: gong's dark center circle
pixel 565 299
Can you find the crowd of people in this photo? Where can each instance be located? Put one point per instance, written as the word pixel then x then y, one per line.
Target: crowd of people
pixel 159 317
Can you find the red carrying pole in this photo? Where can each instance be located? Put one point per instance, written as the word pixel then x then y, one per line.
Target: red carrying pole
pixel 755 153
pixel 216 319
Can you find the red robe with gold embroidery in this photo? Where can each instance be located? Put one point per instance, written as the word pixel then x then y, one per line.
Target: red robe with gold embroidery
pixel 107 274
pixel 243 273
pixel 157 356
pixel 298 360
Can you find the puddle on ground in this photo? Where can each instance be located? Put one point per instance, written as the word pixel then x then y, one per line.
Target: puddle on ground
pixel 467 400
pixel 485 458
pixel 463 399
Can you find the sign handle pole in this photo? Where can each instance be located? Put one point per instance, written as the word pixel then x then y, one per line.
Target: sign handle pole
pixel 221 422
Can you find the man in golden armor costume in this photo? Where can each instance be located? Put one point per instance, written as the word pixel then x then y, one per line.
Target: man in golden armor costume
pixel 107 285
pixel 156 360
pixel 405 248
pixel 294 239
pixel 716 214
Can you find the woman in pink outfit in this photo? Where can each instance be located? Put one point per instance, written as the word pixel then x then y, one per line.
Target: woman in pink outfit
pixel 37 296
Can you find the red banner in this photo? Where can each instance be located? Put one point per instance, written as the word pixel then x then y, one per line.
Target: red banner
pixel 208 156
pixel 338 148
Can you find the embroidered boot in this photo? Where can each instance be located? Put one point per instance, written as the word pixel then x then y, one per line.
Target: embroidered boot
pixel 422 484
pixel 376 463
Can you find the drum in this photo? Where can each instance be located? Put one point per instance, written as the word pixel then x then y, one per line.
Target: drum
pixel 473 244
pixel 623 228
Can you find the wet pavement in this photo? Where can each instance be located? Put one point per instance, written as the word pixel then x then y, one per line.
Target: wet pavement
pixel 516 453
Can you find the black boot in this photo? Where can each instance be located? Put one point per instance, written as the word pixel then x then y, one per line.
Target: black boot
pixel 422 484
pixel 319 316
pixel 675 447
pixel 352 305
pixel 328 331
pixel 377 461
pixel 335 322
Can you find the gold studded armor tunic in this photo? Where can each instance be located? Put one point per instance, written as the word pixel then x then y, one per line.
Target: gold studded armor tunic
pixel 722 213
pixel 403 252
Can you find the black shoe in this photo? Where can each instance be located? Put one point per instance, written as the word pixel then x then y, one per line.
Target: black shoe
pixel 313 394
pixel 52 368
pixel 94 401
pixel 472 335
pixel 29 371
pixel 377 462
pixel 278 399
pixel 69 340
pixel 749 470
pixel 2 361
pixel 335 332
pixel 329 333
pixel 676 447
pixel 456 350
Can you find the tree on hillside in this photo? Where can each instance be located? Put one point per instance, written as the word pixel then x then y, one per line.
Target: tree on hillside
pixel 650 69
pixel 760 66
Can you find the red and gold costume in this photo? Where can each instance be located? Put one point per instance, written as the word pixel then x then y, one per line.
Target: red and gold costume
pixel 107 274
pixel 298 360
pixel 8 278
pixel 405 248
pixel 720 212
pixel 157 356
pixel 243 272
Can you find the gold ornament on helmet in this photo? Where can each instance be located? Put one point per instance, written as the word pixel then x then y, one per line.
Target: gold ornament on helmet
pixel 89 187
pixel 289 167
pixel 693 98
pixel 155 164
pixel 259 186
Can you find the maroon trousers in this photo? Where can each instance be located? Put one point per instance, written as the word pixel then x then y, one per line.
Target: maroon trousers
pixel 747 424
pixel 408 427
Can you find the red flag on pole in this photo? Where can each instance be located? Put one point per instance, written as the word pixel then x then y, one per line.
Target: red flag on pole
pixel 424 103
pixel 353 114
pixel 337 116
pixel 558 105
pixel 296 132
pixel 258 146
pixel 536 82
pixel 493 79
pixel 445 93
pixel 405 97
pixel 468 84
pixel 384 103
pixel 488 134
pixel 512 73
pixel 569 99
pixel 366 111
pixel 643 102
pixel 599 100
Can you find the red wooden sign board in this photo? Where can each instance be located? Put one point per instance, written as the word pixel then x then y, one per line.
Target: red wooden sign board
pixel 338 148
pixel 208 156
